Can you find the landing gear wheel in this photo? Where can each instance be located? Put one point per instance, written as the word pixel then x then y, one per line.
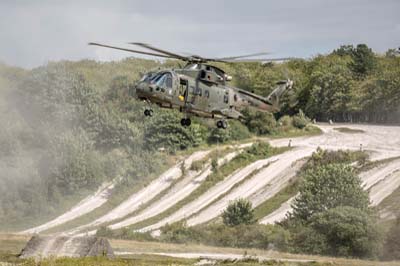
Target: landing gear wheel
pixel 148 112
pixel 222 124
pixel 186 122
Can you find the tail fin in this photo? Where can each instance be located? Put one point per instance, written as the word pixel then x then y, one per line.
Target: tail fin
pixel 282 87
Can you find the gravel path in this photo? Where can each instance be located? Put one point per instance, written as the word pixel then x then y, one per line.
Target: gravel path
pixel 384 188
pixel 85 206
pixel 212 194
pixel 260 187
pixel 182 189
pixel 381 142
pixel 144 195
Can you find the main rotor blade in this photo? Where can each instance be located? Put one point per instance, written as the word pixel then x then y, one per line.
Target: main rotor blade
pixel 241 56
pixel 173 55
pixel 262 60
pixel 129 50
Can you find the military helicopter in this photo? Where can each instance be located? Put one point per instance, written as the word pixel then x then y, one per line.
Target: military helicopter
pixel 201 89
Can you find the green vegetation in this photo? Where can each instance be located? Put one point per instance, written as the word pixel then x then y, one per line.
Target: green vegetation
pixel 70 126
pixel 331 215
pixel 391 248
pixel 318 158
pixel 257 151
pixel 11 245
pixel 238 236
pixel 327 187
pixel 325 172
pixel 238 212
pixel 276 201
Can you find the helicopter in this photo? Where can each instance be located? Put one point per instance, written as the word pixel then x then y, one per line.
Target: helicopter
pixel 201 89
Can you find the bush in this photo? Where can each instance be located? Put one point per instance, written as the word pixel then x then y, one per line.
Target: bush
pixel 326 187
pixel 238 131
pixel 285 122
pixel 347 232
pixel 219 135
pixel 165 131
pixel 178 232
pixel 75 165
pixel 324 157
pixel 260 123
pixel 238 212
pixel 391 249
pixel 241 236
pixel 300 120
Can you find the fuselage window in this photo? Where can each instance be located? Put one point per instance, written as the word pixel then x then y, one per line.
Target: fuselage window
pixel 199 91
pixel 226 99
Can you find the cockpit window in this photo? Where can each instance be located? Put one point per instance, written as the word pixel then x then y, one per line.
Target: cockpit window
pixel 160 81
pixel 145 77
pixel 168 81
pixel 193 66
pixel 163 80
pixel 156 78
pixel 148 76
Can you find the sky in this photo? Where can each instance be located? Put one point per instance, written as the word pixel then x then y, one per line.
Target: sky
pixel 33 33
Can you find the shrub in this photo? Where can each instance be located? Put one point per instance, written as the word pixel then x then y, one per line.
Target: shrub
pixel 178 232
pixel 216 234
pixel 326 187
pixel 260 123
pixel 323 157
pixel 238 131
pixel 391 249
pixel 300 120
pixel 219 135
pixel 238 212
pixel 348 232
pixel 285 122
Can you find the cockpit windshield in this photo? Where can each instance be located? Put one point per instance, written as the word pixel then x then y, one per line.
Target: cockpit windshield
pixel 148 76
pixel 163 80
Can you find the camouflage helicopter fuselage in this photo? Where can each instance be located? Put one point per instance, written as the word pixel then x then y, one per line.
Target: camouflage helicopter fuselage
pixel 201 90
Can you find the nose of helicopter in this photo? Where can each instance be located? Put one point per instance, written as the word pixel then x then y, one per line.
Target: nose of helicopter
pixel 143 88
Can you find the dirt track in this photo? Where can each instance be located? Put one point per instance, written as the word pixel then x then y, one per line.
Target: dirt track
pixel 182 189
pixel 212 194
pixel 146 194
pixel 85 206
pixel 380 141
pixel 267 183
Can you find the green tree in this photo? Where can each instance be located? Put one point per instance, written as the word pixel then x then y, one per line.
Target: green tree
pixel 238 212
pixel 165 131
pixel 347 231
pixel 364 60
pixel 329 89
pixel 391 249
pixel 326 187
pixel 259 122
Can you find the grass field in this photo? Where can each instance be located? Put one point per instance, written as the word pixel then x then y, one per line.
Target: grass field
pixel 142 253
